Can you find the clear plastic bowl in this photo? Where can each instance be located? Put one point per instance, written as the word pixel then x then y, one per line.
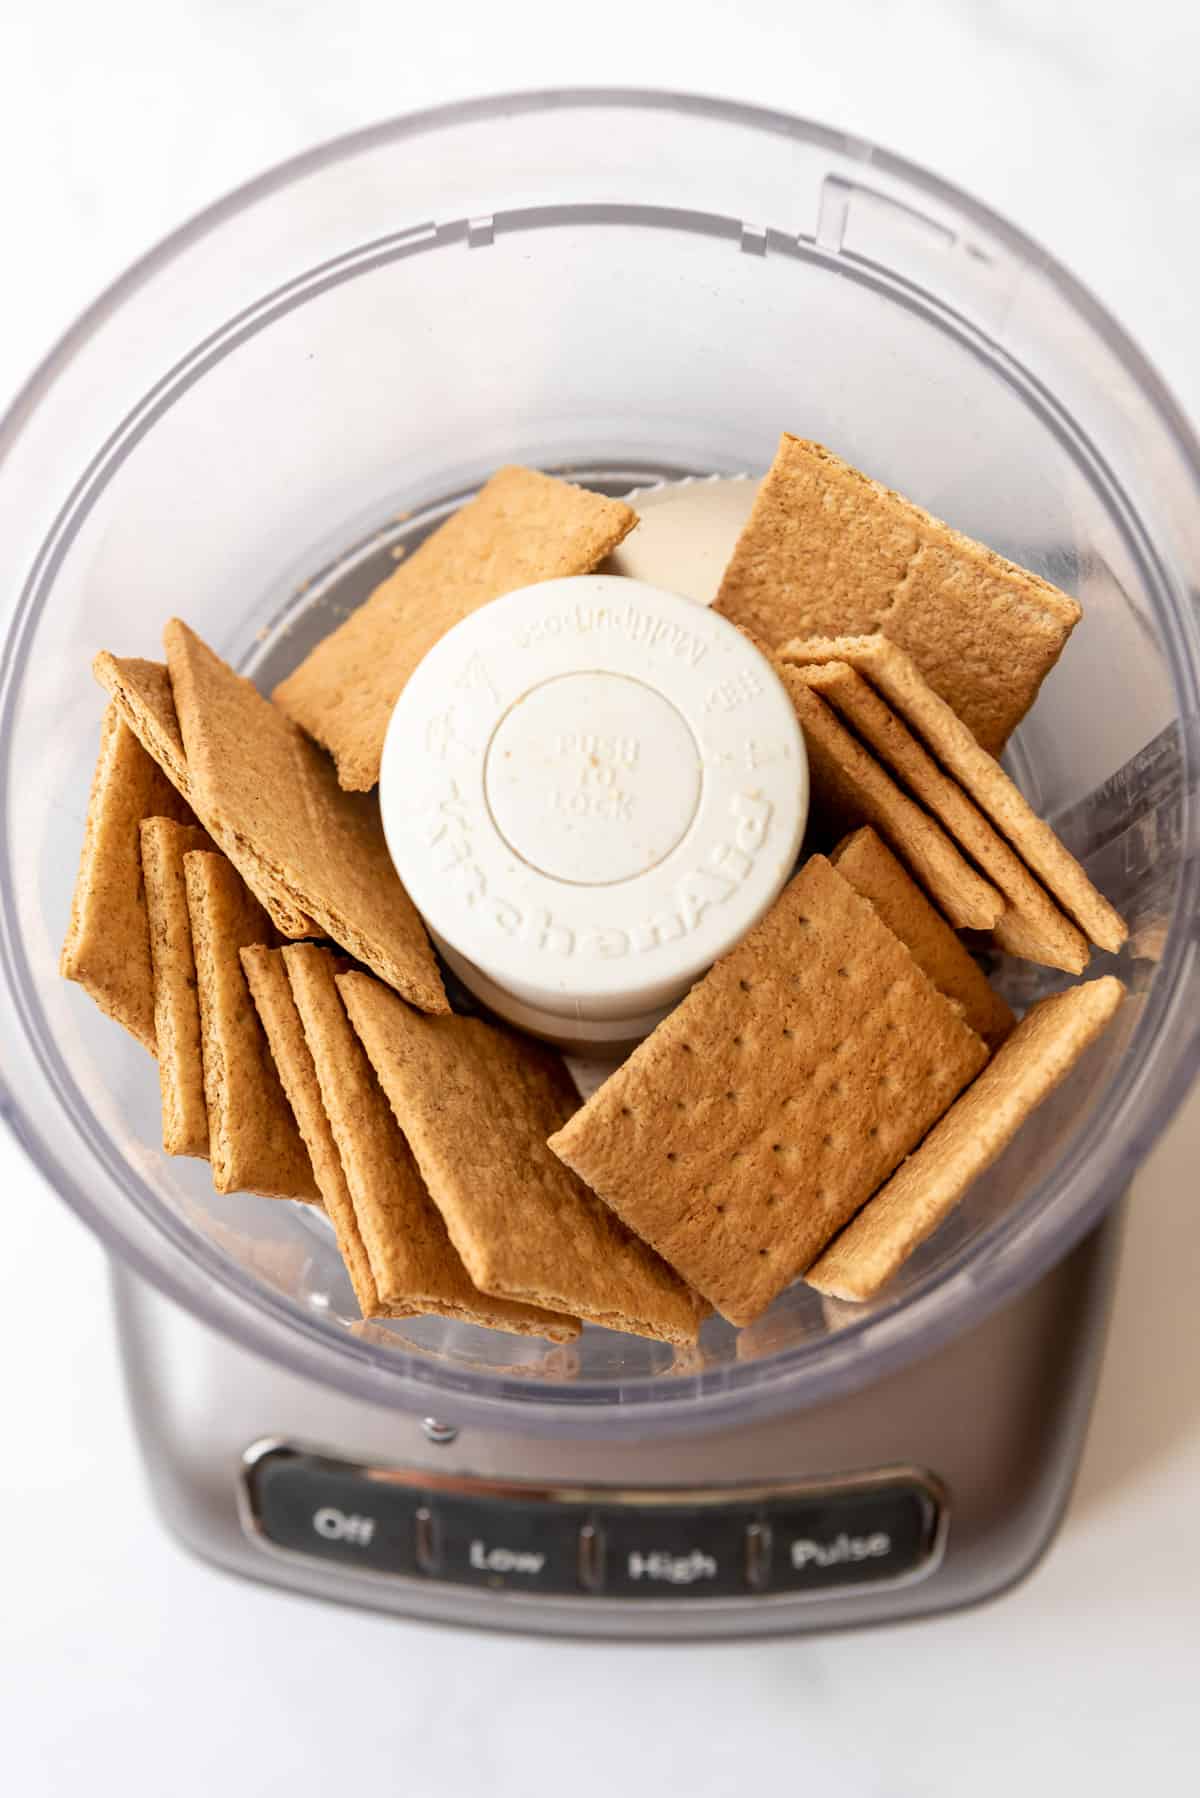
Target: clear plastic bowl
pixel 622 287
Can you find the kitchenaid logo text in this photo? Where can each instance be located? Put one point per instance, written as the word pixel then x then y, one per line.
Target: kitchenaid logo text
pixel 695 892
pixel 628 621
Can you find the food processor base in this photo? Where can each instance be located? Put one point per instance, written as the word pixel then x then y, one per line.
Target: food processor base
pixel 937 1487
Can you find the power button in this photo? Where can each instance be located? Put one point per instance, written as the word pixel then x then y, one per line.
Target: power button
pixel 317 1509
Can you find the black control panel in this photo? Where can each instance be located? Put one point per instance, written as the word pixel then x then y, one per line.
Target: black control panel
pixel 565 1542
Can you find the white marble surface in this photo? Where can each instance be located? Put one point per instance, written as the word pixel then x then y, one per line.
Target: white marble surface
pixel 125 1666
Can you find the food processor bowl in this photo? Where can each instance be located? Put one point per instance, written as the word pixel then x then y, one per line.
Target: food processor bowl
pixel 622 288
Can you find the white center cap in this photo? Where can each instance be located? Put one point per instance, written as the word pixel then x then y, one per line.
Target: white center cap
pixel 593 778
pixel 591 789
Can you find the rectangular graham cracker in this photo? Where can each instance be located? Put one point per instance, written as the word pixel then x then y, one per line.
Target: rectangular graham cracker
pixel 107 945
pixel 477 1105
pixel 829 552
pixel 272 993
pixel 142 692
pixel 176 1002
pixel 273 796
pixel 872 870
pixel 849 783
pixel 1039 1054
pixel 747 1130
pixel 413 1266
pixel 253 1142
pixel 897 677
pixel 1032 926
pixel 522 527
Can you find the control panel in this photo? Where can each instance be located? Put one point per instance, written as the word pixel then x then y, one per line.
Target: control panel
pixel 596 1542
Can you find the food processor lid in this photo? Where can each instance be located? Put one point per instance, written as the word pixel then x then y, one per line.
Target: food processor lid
pixel 591 789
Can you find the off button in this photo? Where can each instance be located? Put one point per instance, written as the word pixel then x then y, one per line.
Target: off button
pixel 314 1508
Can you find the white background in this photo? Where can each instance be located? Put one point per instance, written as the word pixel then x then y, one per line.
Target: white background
pixel 124 1666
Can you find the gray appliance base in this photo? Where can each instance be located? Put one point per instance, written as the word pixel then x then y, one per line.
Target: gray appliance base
pixel 997 1420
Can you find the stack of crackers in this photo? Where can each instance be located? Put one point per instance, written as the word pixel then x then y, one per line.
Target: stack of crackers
pixel 816 1105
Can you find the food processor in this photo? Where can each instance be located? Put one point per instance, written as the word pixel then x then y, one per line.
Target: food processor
pixel 629 289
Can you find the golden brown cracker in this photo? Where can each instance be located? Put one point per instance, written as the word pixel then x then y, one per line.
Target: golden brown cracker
pixel 849 783
pixel 414 1264
pixel 271 989
pixel 829 552
pixel 1041 1051
pixel 274 801
pixel 522 527
pixel 141 691
pixel 984 632
pixel 791 1081
pixel 253 1142
pixel 477 1105
pixel 1032 925
pixel 107 945
pixel 176 1002
pixel 872 870
pixel 897 677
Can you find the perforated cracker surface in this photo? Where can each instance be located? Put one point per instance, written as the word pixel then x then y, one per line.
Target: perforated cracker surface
pixel 872 870
pixel 768 1107
pixel 828 551
pixel 852 787
pixel 1031 924
pixel 522 527
pixel 1039 1054
pixel 477 1105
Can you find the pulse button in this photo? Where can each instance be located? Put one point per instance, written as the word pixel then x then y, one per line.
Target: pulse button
pixel 853 1537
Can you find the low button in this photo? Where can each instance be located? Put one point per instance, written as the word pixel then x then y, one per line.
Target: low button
pixel 509 1547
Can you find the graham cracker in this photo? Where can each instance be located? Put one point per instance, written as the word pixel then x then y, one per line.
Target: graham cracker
pixel 272 797
pixel 829 552
pixel 107 945
pixel 254 1145
pixel 477 1105
pixel 413 1266
pixel 872 870
pixel 1032 926
pixel 271 990
pixel 142 691
pixel 853 788
pixel 769 1105
pixel 1039 1054
pixel 522 527
pixel 897 677
pixel 176 1002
